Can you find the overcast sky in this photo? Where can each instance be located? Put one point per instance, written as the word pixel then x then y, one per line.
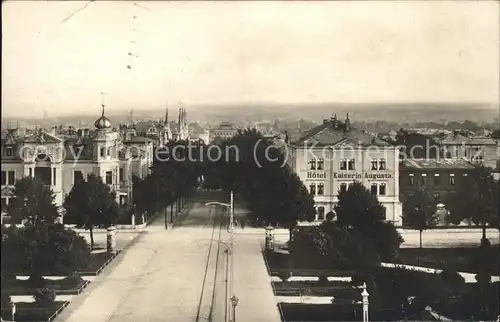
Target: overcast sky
pixel 237 52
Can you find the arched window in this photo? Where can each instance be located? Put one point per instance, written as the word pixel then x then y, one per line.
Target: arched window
pixel 103 152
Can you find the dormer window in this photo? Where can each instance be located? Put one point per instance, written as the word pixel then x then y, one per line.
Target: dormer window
pixel 8 151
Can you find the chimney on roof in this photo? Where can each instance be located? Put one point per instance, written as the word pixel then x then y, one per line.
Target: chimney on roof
pixel 347 123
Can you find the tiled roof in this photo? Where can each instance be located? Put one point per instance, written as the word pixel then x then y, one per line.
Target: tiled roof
pixel 458 139
pixel 138 139
pixel 142 127
pixel 328 134
pixel 42 137
pixel 456 163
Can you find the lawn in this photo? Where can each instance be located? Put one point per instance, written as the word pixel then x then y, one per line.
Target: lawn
pixel 460 259
pixel 66 286
pixel 97 263
pixel 280 262
pixel 341 290
pixel 29 312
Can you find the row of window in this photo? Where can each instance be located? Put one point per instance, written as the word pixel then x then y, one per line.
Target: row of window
pixel 436 179
pixel 347 164
pixel 378 189
pixel 9 177
pixel 108 178
pixel 319 189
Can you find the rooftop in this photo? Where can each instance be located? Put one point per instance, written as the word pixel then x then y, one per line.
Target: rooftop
pixel 456 163
pixel 333 131
pixel 457 138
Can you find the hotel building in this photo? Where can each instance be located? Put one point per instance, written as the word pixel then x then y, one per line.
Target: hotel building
pixel 60 161
pixel 333 155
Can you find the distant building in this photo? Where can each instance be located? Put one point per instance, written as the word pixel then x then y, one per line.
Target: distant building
pixel 160 131
pixel 333 155
pixel 439 177
pixel 224 131
pixel 60 161
pixel 479 150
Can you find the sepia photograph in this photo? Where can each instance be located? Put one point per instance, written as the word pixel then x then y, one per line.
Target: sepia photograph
pixel 250 161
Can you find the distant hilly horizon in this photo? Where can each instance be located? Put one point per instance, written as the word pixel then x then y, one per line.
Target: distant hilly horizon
pixel 213 109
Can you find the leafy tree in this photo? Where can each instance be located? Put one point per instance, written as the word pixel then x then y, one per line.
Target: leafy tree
pixel 91 203
pixel 251 167
pixel 476 199
pixel 386 240
pixel 361 211
pixel 68 252
pixel 419 211
pixel 358 208
pixel 44 296
pixel 11 261
pixel 33 203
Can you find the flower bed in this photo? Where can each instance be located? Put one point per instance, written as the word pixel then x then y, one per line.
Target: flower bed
pixel 32 313
pixel 66 286
pixel 459 259
pixel 279 262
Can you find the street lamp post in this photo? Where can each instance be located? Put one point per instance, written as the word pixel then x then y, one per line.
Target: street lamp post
pixel 234 303
pixel 230 205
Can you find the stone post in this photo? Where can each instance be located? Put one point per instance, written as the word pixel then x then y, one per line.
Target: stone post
pixel 111 239
pixel 365 294
pixel 132 219
pixel 13 311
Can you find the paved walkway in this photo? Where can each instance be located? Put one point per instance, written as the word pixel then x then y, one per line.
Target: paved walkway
pixel 161 276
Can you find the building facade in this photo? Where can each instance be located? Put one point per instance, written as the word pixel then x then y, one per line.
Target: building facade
pixel 224 131
pixel 332 156
pixel 60 161
pixel 478 150
pixel 438 177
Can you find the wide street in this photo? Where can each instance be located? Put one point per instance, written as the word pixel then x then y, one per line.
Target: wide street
pixel 180 274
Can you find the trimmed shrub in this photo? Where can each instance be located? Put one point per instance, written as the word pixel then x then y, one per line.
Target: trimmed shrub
pixel 284 275
pixel 6 301
pixel 44 296
pixel 452 278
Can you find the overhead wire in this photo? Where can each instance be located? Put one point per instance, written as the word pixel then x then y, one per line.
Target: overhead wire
pixel 74 13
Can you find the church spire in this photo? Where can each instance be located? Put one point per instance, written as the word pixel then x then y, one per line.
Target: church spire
pixel 166 116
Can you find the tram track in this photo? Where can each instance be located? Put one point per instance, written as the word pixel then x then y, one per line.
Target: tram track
pixel 217 224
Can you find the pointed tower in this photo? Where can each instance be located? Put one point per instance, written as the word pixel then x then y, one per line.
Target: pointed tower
pixel 347 123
